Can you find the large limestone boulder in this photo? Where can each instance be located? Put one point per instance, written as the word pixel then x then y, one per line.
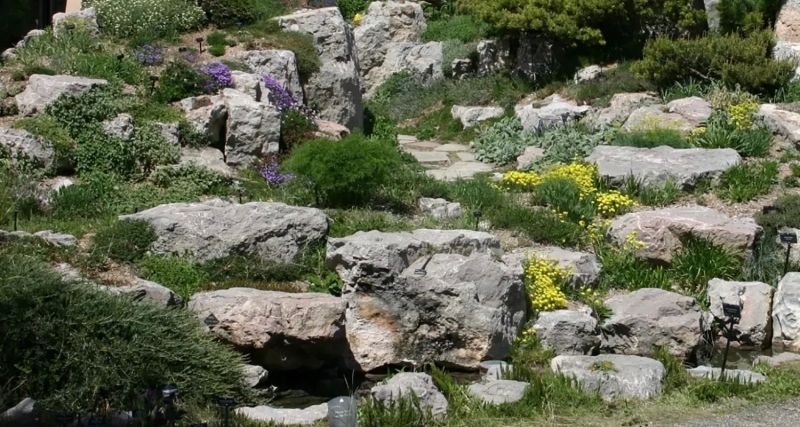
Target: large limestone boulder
pixel 447 309
pixel 207 115
pixel 217 228
pixel 552 111
pixel 786 314
pixel 147 291
pixel 285 416
pixel 584 268
pixel 280 64
pixel 253 129
pixel 471 116
pixel 281 331
pixel 657 166
pixel 655 117
pixel 494 56
pixel 206 157
pixel 335 89
pixel 613 376
pixel 781 122
pixel 498 392
pixel 755 298
pixel 421 385
pixel 663 231
pixel 647 319
pixel 21 145
pixel 620 108
pixel 694 109
pixel 568 331
pixel 422 61
pixel 43 90
pixel 787 33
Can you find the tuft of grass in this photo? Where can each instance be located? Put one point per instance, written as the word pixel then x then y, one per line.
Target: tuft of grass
pixel 123 241
pixel 651 138
pixel 676 377
pixel 700 261
pixel 745 182
pixel 180 275
pixel 652 195
pixel 619 80
pixel 785 213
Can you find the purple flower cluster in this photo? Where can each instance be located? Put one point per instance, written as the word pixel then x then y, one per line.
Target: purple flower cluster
pixel 149 55
pixel 219 76
pixel 279 96
pixel 190 56
pixel 273 176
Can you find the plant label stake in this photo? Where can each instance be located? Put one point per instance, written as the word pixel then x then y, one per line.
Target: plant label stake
pixel 734 313
pixel 226 403
pixel 477 214
pixel 199 41
pixel 16 213
pixel 789 238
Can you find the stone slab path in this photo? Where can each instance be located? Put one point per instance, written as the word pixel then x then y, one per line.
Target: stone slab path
pixel 446 162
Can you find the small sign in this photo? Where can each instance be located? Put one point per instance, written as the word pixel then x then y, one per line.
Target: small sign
pixel 789 238
pixel 732 310
pixel 211 320
pixel 225 401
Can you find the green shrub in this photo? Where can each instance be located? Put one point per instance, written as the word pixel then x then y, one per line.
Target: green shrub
pixel 503 142
pixel 345 173
pixel 651 138
pixel 52 131
pixel 149 150
pixel 250 271
pixel 464 28
pixel 198 179
pixel 91 198
pixel 98 152
pixel 564 195
pixel 540 225
pixel 216 50
pixel 785 213
pixel 745 182
pixel 146 20
pixel 223 13
pixel 622 269
pixel 736 61
pixel 18 191
pixel 178 274
pixel 720 133
pixel 296 127
pixel 400 412
pixel 77 112
pixel 747 15
pixel 179 80
pixel 105 65
pixel 565 143
pixel 700 261
pixel 676 377
pixel 123 241
pixel 652 195
pixel 618 80
pixel 134 347
pixel 350 8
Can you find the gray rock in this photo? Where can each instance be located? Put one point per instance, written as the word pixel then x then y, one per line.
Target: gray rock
pixel 81 21
pixel 48 188
pixel 448 309
pixel 552 111
pixel 281 331
pixel 253 129
pixel 406 384
pixel 494 56
pixel 495 369
pixel 741 375
pixel 429 157
pixel 170 132
pixel 252 85
pixel 646 319
pixel 613 376
pixel 787 51
pixel 461 68
pixel 376 256
pixel 659 165
pixel 206 157
pixel 498 392
pixel 471 116
pixel 23 414
pixel 208 115
pixel 22 146
pixel 43 90
pixel 786 314
pixel 57 239
pixel 694 109
pixel 654 117
pixel 335 89
pixel 568 332
pixel 529 157
pixel 663 230
pixel 280 64
pixel 120 126
pixel 286 416
pixel 587 74
pixel 32 34
pixel 712 14
pixel 584 267
pixel 145 290
pixel 422 61
pixel 620 108
pixel 781 122
pixel 439 208
pixel 254 375
pixel 216 229
pixel 777 360
pixel 755 298
pixel 459 170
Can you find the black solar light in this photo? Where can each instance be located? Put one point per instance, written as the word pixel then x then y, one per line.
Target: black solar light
pixel 153 81
pixel 226 403
pixel 199 41
pixel 477 213
pixel 16 214
pixel 767 209
pixel 733 314
pixel 788 238
pixel 422 271
pixel 120 57
pixel 199 425
pixel 342 412
pixel 211 320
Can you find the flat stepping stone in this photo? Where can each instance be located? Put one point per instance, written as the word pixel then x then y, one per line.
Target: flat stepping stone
pixel 741 375
pixel 613 376
pixel 430 156
pixel 466 156
pixel 777 359
pixel 285 416
pixel 498 392
pixel 452 148
pixel 406 139
pixel 421 145
pixel 656 166
pixel 460 170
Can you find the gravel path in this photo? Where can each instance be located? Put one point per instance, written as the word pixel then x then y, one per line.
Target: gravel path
pixel 783 414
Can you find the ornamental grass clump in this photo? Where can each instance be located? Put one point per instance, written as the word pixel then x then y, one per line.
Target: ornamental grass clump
pixel 543 282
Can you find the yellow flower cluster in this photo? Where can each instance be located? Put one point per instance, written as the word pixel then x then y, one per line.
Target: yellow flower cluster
pixel 527 339
pixel 358 18
pixel 698 132
pixel 543 282
pixel 590 297
pixel 741 114
pixel 612 203
pixel 517 180
pixel 584 174
pixel 632 244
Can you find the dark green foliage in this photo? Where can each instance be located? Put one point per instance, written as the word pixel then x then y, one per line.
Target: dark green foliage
pixel 540 225
pixel 296 127
pixel 747 15
pixel 150 149
pixel 345 173
pixel 700 261
pixel 51 130
pixel 327 283
pixel 676 377
pixel 256 272
pixel 123 241
pixel 623 270
pixel 216 50
pixel 464 28
pixel 78 349
pixel 223 13
pixel 350 8
pixel 786 213
pixel 745 182
pixel 178 274
pixel 98 152
pixel 619 80
pixel 196 179
pixel 105 65
pixel 401 412
pixel 18 192
pixel 89 199
pixel 564 195
pixel 179 80
pixel 766 262
pixel 76 112
pixel 720 133
pixel 651 138
pixel 735 61
pixel 652 195
pixel 145 110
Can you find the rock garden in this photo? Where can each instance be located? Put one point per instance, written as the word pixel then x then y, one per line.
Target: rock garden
pixel 400 213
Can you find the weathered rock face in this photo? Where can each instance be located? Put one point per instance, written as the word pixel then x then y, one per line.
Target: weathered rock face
pixel 208 115
pixel 587 74
pixel 376 257
pixel 657 166
pixel 22 146
pixel 145 290
pixel 712 14
pixel 755 298
pixel 253 129
pixel 786 313
pixel 646 319
pixel 781 122
pixel 613 376
pixel 207 157
pixel 471 116
pixel 620 108
pixel 42 91
pixel 254 375
pixel 741 375
pixel 280 331
pixel 498 392
pixel 694 109
pixel 421 385
pixel 584 268
pixel 448 309
pixel 83 21
pixel 23 414
pixel 120 126
pixel 552 111
pixel 528 157
pixel 216 228
pixel 537 56
pixel 280 64
pixel 787 24
pixel 422 61
pixel 568 332
pixel 57 239
pixel 663 230
pixel 285 416
pixel 439 208
pixel 655 116
pixel 335 89
pixel 494 56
